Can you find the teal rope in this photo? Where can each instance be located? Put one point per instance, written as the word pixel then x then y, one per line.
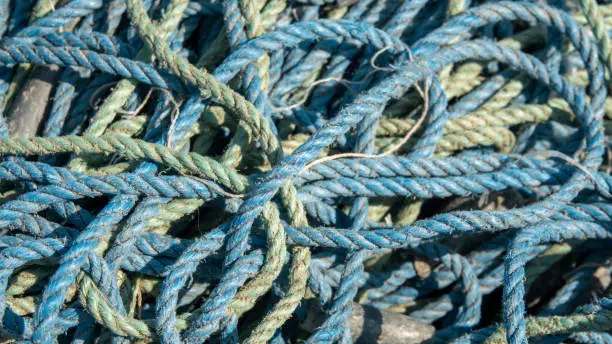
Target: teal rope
pixel 296 168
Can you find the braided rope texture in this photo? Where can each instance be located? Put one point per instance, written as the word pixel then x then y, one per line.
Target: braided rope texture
pixel 317 171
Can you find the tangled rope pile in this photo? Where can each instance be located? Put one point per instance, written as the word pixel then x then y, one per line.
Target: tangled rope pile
pixel 191 171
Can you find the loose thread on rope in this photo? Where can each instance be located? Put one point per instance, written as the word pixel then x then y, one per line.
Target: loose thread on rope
pixel 391 150
pixel 143 103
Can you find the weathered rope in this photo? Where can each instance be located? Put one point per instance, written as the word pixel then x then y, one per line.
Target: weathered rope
pixel 230 171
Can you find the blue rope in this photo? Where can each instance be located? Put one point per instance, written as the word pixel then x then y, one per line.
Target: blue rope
pixel 170 252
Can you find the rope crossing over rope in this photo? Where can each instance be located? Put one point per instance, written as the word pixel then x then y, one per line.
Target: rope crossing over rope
pixel 314 171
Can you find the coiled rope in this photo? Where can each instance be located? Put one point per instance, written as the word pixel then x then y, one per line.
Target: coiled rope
pixel 227 171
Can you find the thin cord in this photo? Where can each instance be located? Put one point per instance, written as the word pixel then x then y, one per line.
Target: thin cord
pixel 571 161
pixel 174 117
pixel 93 99
pixel 389 151
pixel 378 53
pixel 345 82
pixel 218 188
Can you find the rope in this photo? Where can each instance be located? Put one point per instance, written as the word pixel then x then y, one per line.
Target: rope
pixel 300 156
